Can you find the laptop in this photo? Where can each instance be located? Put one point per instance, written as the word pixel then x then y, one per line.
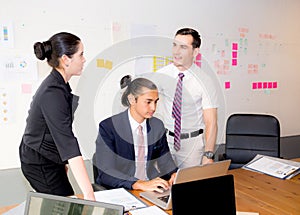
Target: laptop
pixel 46 204
pixel 216 194
pixel 194 173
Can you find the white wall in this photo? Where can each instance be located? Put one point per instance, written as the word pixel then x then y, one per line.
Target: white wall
pixel 219 22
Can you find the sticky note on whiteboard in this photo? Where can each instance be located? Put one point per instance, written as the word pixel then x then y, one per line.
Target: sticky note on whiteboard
pixel 234 62
pixel 104 63
pixel 234 46
pixel 227 85
pixel 26 88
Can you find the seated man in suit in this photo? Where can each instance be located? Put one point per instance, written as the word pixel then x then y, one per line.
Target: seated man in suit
pixel 134 158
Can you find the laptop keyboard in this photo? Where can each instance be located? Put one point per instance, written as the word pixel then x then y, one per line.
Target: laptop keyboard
pixel 164 198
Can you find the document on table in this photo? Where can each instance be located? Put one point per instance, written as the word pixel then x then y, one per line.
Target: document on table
pixel 277 167
pixel 119 196
pixel 246 213
pixel 148 211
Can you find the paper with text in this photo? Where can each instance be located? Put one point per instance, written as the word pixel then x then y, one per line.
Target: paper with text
pixel 119 196
pixel 271 166
pixel 148 211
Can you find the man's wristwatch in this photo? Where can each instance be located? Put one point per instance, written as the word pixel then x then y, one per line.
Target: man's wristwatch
pixel 209 154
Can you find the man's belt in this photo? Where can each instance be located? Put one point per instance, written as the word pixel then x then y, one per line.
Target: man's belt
pixel 187 135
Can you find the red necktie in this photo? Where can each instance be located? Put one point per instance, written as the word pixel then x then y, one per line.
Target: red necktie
pixel 141 167
pixel 176 112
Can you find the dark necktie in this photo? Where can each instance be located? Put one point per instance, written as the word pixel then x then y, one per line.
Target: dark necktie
pixel 141 167
pixel 176 112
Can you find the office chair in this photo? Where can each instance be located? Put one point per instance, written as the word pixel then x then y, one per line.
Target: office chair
pixel 96 187
pixel 248 135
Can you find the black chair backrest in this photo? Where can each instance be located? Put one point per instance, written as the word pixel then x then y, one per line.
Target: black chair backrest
pixel 250 134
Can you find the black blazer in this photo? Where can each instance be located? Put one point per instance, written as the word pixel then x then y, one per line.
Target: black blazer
pixel 115 157
pixel 49 123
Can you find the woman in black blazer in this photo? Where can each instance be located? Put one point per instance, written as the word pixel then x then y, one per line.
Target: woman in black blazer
pixel 48 143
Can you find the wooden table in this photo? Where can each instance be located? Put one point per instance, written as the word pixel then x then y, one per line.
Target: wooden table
pixel 264 194
pixel 256 192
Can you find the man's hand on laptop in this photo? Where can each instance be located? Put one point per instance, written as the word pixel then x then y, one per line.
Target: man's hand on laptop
pixel 171 180
pixel 156 184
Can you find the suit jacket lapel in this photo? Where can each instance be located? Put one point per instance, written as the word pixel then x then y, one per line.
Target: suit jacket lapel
pixel 123 128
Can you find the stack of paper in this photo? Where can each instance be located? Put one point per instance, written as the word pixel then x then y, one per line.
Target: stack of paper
pixel 246 213
pixel 277 167
pixel 119 196
pixel 152 210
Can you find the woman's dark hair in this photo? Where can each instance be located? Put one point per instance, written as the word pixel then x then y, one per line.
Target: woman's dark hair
pixel 58 45
pixel 125 80
pixel 189 31
pixel 135 88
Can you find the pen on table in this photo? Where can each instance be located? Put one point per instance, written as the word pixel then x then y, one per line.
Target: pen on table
pixel 130 209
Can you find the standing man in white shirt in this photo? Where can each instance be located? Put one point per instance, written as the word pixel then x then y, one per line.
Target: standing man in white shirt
pixel 198 130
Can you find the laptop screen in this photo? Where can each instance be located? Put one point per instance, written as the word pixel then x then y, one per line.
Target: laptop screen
pixel 214 195
pixel 45 204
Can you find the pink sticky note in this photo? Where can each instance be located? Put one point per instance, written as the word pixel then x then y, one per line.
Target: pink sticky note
pixel 274 85
pixel 234 46
pixel 259 85
pixel 254 85
pixel 265 85
pixel 223 53
pixel 227 85
pixel 198 63
pixel 234 62
pixel 270 85
pixel 26 88
pixel 234 54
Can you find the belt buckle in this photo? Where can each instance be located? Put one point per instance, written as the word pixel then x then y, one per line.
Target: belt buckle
pixel 184 135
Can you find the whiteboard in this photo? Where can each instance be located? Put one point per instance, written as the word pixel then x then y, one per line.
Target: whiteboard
pixel 261 77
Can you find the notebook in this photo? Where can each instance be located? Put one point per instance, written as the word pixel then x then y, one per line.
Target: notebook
pixel 164 199
pixel 46 204
pixel 207 196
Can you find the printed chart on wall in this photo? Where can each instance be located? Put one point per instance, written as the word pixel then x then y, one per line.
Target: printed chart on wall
pixel 6 35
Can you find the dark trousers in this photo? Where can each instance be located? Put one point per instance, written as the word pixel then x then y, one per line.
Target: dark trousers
pixel 46 176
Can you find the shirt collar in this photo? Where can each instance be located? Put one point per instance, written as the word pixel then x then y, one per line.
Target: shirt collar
pixel 187 73
pixel 134 124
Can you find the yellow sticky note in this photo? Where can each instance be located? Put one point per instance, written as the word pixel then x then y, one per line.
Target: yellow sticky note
pixel 104 63
pixel 108 64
